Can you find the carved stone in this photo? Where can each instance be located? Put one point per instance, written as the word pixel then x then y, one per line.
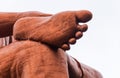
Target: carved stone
pixel 40 43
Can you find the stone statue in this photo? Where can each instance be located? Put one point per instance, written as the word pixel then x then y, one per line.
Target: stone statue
pixel 38 44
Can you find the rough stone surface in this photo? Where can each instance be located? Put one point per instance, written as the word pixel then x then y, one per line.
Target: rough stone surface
pixel 54 30
pixel 33 54
pixel 28 59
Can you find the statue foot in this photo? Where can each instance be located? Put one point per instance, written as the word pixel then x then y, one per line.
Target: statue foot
pixel 58 30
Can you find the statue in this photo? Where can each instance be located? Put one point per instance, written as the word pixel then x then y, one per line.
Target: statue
pixel 39 44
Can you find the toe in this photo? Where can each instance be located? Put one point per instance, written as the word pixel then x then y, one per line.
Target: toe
pixel 83 16
pixel 72 41
pixel 65 46
pixel 82 28
pixel 78 35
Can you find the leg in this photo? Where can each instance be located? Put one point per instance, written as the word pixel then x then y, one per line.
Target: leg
pixel 28 59
pixel 55 30
pixel 45 64
pixel 7 20
pixel 79 70
pixel 90 72
pixel 35 60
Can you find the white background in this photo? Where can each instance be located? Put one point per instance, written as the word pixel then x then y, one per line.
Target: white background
pixel 100 45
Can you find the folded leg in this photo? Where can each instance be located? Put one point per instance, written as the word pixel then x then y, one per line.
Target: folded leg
pixel 29 59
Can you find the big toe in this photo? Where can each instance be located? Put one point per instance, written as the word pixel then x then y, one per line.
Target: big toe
pixel 83 16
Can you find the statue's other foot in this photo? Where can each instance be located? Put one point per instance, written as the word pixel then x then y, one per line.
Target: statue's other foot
pixel 58 30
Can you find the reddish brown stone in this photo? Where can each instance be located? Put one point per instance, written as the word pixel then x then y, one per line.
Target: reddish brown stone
pixel 29 59
pixel 31 56
pixel 54 30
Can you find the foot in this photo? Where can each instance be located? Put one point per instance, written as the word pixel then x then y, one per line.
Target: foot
pixel 58 30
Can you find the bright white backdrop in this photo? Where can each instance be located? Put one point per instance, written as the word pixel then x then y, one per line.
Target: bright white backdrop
pixel 100 45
